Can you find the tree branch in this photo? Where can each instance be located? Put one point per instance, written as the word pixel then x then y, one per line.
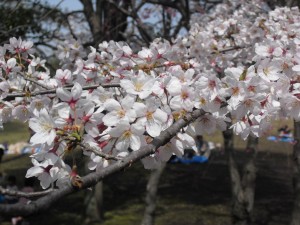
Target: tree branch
pixel 166 3
pixel 93 178
pixel 122 10
pixel 231 49
pixel 101 154
pixel 10 97
pixel 91 17
pixel 24 194
pixel 34 81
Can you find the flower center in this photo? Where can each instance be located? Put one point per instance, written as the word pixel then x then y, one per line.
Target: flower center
pixel 138 86
pixel 202 101
pixel 149 115
pixel 184 95
pixel 235 91
pixel 266 71
pixel 127 134
pixel 46 126
pixel 121 113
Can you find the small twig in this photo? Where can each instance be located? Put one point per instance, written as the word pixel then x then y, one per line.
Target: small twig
pixel 10 97
pixel 24 194
pixel 52 10
pixel 122 10
pixel 86 147
pixel 231 49
pixel 34 81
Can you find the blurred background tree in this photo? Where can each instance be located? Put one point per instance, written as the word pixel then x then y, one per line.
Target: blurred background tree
pixel 137 22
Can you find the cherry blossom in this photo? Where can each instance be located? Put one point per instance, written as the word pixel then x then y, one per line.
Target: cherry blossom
pixel 44 127
pixel 72 97
pixel 128 136
pixel 140 85
pixel 119 112
pixel 241 62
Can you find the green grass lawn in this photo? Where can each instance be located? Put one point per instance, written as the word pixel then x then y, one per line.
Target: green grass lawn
pixel 14 132
pixel 263 144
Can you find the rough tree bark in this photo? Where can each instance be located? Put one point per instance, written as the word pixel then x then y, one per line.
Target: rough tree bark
pixel 242 184
pixel 93 202
pixel 152 186
pixel 296 180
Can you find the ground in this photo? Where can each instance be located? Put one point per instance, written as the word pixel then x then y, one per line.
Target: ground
pixel 188 194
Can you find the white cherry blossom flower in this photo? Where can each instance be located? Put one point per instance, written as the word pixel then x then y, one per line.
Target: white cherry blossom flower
pixel 21 112
pixel 269 70
pixel 204 124
pixel 63 76
pixel 140 85
pixel 70 97
pixel 44 127
pixel 151 116
pixel 4 89
pixel 241 128
pixel 119 111
pixel 184 100
pixel 46 173
pixel 268 50
pixel 128 136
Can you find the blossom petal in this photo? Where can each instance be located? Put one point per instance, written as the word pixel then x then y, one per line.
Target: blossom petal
pixel 34 171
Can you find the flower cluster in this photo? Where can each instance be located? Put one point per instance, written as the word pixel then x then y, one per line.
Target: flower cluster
pixel 115 101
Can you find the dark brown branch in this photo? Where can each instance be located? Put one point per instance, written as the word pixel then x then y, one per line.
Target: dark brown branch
pixel 51 11
pixel 92 17
pixel 91 179
pixel 134 15
pixel 142 3
pixel 122 10
pixel 166 3
pixel 74 12
pixel 178 27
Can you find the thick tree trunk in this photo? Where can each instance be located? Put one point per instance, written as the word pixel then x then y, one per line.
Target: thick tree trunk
pixel 152 186
pixel 296 211
pixel 105 21
pixel 93 202
pixel 242 185
pixel 94 205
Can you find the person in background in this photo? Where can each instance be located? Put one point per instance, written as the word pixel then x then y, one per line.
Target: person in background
pixel 2 198
pixel 2 148
pixel 202 146
pixel 284 131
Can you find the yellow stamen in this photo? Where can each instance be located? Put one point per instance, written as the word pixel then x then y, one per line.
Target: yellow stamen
pixel 149 115
pixel 138 86
pixel 121 113
pixel 127 134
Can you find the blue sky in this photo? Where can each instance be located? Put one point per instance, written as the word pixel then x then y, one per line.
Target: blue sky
pixel 66 4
